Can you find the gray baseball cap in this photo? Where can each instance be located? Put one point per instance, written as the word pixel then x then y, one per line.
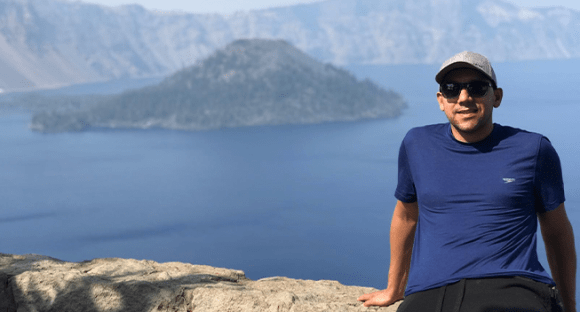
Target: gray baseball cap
pixel 467 59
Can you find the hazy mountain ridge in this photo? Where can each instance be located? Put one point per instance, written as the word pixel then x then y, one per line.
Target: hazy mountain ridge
pixel 250 82
pixel 50 43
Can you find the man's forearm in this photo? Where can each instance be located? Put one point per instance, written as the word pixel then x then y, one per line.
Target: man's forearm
pixel 403 226
pixel 561 252
pixel 402 235
pixel 562 260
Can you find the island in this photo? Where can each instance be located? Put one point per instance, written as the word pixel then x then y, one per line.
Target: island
pixel 250 82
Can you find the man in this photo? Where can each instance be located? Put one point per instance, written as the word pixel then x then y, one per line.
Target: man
pixel 470 194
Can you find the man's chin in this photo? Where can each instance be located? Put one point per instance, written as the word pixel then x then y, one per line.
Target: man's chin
pixel 468 129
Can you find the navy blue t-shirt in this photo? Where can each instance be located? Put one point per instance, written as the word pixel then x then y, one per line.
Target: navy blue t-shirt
pixel 477 203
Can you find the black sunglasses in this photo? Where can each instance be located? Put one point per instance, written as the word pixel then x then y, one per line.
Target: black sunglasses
pixel 474 88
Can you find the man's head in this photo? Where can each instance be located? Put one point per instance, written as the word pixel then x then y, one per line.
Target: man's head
pixel 468 93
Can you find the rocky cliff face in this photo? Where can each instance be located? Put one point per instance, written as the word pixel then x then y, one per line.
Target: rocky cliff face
pixel 38 283
pixel 48 43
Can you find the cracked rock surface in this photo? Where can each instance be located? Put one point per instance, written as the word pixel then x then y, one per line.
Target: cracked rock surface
pixel 38 283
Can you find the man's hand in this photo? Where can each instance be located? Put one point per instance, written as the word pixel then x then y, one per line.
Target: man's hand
pixel 382 298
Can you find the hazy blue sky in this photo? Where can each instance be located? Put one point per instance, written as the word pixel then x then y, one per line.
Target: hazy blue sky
pixel 231 6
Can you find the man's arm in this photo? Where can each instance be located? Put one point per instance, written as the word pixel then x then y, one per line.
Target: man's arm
pixel 560 249
pixel 402 235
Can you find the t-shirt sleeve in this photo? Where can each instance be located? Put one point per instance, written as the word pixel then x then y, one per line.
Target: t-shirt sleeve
pixel 405 191
pixel 548 183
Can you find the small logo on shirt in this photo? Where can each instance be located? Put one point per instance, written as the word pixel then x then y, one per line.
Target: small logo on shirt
pixel 508 180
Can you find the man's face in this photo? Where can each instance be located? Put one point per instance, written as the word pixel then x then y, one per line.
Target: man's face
pixel 470 117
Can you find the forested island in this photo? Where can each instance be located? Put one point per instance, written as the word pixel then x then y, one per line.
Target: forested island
pixel 248 83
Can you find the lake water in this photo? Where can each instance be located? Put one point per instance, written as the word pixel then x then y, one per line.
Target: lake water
pixel 310 202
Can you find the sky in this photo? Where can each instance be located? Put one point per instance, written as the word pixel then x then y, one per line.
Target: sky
pixel 231 6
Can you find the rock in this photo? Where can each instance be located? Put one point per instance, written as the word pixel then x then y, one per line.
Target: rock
pixel 40 283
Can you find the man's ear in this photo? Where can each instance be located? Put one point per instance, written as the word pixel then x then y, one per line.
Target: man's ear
pixel 498 93
pixel 441 99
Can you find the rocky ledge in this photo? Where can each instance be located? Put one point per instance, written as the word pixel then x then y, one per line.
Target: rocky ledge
pixel 40 283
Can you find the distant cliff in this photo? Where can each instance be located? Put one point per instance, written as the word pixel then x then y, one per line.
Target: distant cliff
pixel 248 83
pixel 51 43
pixel 39 283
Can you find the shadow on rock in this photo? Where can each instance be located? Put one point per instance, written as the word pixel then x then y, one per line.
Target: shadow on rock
pixel 38 283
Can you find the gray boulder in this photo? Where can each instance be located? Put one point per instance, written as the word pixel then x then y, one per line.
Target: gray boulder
pixel 40 283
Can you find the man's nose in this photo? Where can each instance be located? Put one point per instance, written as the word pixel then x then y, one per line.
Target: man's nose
pixel 463 96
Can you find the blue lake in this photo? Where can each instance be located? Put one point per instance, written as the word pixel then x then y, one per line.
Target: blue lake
pixel 311 202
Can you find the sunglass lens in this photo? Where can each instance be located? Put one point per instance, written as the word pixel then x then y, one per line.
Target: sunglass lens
pixel 450 90
pixel 477 88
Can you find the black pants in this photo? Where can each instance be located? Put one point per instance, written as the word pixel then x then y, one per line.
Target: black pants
pixel 505 294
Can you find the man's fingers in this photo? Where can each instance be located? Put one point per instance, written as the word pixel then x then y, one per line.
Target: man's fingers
pixel 376 301
pixel 364 297
pixel 379 298
pixel 368 303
